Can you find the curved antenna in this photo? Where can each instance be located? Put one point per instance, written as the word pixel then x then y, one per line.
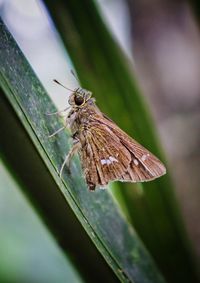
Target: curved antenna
pixel 63 85
pixel 74 75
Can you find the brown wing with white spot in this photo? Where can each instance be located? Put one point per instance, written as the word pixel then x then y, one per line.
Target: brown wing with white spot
pixel 109 154
pixel 104 158
pixel 144 166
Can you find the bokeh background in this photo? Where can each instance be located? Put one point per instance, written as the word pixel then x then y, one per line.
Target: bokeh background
pixel 161 40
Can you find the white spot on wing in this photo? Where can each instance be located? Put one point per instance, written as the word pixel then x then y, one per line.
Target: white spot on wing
pixel 135 162
pixel 113 159
pixel 144 157
pixel 109 160
pixel 104 161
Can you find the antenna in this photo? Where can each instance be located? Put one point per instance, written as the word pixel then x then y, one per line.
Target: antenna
pixel 74 75
pixel 63 85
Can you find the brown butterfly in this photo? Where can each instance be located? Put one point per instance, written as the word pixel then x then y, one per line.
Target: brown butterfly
pixel 107 153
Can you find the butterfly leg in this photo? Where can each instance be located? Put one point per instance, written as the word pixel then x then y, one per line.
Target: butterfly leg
pixel 73 150
pixel 58 131
pixel 61 129
pixel 58 112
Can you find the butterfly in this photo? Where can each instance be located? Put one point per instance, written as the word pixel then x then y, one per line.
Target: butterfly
pixel 107 153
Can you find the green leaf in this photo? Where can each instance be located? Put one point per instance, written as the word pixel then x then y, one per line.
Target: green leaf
pixel 56 199
pixel 103 69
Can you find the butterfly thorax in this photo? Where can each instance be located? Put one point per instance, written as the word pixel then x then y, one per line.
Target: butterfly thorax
pixel 80 118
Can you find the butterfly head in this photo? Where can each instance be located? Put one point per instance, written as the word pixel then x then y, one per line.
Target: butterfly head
pixel 79 97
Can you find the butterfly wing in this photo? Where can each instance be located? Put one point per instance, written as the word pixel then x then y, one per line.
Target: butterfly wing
pixel 144 165
pixel 109 154
pixel 104 158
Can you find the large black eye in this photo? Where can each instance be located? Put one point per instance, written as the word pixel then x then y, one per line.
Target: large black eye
pixel 78 99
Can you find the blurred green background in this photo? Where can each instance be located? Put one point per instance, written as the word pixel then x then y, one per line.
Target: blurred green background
pixel 159 44
pixel 28 252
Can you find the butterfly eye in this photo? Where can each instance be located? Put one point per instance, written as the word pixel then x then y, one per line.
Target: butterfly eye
pixel 79 100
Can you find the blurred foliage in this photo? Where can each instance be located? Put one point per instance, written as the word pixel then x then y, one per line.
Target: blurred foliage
pixel 28 253
pixel 195 4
